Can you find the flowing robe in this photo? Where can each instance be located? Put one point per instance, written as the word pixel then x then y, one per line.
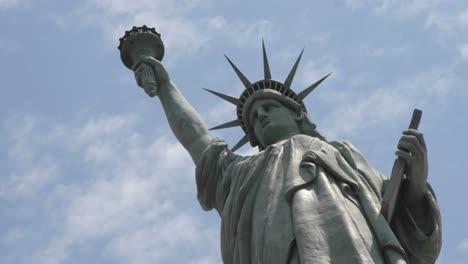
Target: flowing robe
pixel 303 200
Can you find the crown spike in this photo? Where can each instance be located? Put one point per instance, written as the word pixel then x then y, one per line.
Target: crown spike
pixel 241 76
pixel 228 98
pixel 290 78
pixel 307 91
pixel 232 123
pixel 266 66
pixel 241 143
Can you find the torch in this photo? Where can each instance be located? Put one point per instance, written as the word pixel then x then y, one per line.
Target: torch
pixel 137 44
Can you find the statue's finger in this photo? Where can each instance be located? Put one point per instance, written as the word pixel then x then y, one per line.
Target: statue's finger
pixel 408 145
pixel 150 60
pixel 150 92
pixel 411 139
pixel 153 63
pixel 137 74
pixel 137 66
pixel 412 132
pixel 138 78
pixel 418 134
pixel 405 156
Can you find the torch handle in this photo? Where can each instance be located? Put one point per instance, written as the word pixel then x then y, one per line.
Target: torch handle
pixel 148 80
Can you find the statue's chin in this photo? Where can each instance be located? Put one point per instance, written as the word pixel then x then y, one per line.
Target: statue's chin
pixel 275 140
pixel 281 133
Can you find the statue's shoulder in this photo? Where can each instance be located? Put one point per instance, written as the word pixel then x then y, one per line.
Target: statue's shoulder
pixel 355 158
pixel 352 155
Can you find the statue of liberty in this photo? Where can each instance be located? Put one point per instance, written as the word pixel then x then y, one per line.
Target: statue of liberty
pixel 301 198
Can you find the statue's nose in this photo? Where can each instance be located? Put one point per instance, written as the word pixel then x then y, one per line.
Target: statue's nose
pixel 262 115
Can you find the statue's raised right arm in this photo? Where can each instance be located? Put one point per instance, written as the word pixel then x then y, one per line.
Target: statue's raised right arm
pixel 185 122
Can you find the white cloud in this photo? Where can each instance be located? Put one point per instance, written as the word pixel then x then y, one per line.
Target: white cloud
pixel 408 8
pixel 356 112
pixel 250 34
pixel 7 4
pixel 135 193
pixel 462 18
pixel 448 21
pixel 104 125
pixel 241 33
pixel 382 51
pixel 33 171
pixel 19 130
pixel 141 247
pixel 464 51
pixel 355 4
pixel 315 70
pixel 217 22
pixel 401 8
pixel 170 18
pixel 32 179
pixel 220 113
pixel 441 15
pixel 463 246
pixel 181 31
pixel 441 21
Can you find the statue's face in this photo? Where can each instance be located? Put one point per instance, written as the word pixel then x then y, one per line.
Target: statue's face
pixel 272 121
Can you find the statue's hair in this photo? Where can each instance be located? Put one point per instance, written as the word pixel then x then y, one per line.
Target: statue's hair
pixel 307 126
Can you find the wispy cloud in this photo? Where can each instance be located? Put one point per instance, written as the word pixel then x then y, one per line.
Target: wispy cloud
pixel 463 246
pixel 132 194
pixel 33 171
pixel 241 33
pixel 441 21
pixel 171 18
pixel 401 8
pixel 246 34
pixel 356 112
pixel 8 4
pixel 317 69
pixel 370 51
pixel 462 18
pixel 448 21
pixel 220 113
pixel 407 8
pixel 464 51
pixel 183 32
pixel 27 181
pixel 355 4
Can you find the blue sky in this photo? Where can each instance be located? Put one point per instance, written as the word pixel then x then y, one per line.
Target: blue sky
pixel 89 170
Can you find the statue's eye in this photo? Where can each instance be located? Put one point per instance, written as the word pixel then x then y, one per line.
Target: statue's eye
pixel 269 107
pixel 253 118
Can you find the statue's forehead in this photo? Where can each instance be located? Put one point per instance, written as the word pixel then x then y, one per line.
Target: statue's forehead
pixel 262 101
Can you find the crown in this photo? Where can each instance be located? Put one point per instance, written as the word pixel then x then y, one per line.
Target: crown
pixel 266 88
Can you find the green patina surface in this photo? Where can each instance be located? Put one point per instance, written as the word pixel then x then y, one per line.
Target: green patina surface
pixel 301 198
